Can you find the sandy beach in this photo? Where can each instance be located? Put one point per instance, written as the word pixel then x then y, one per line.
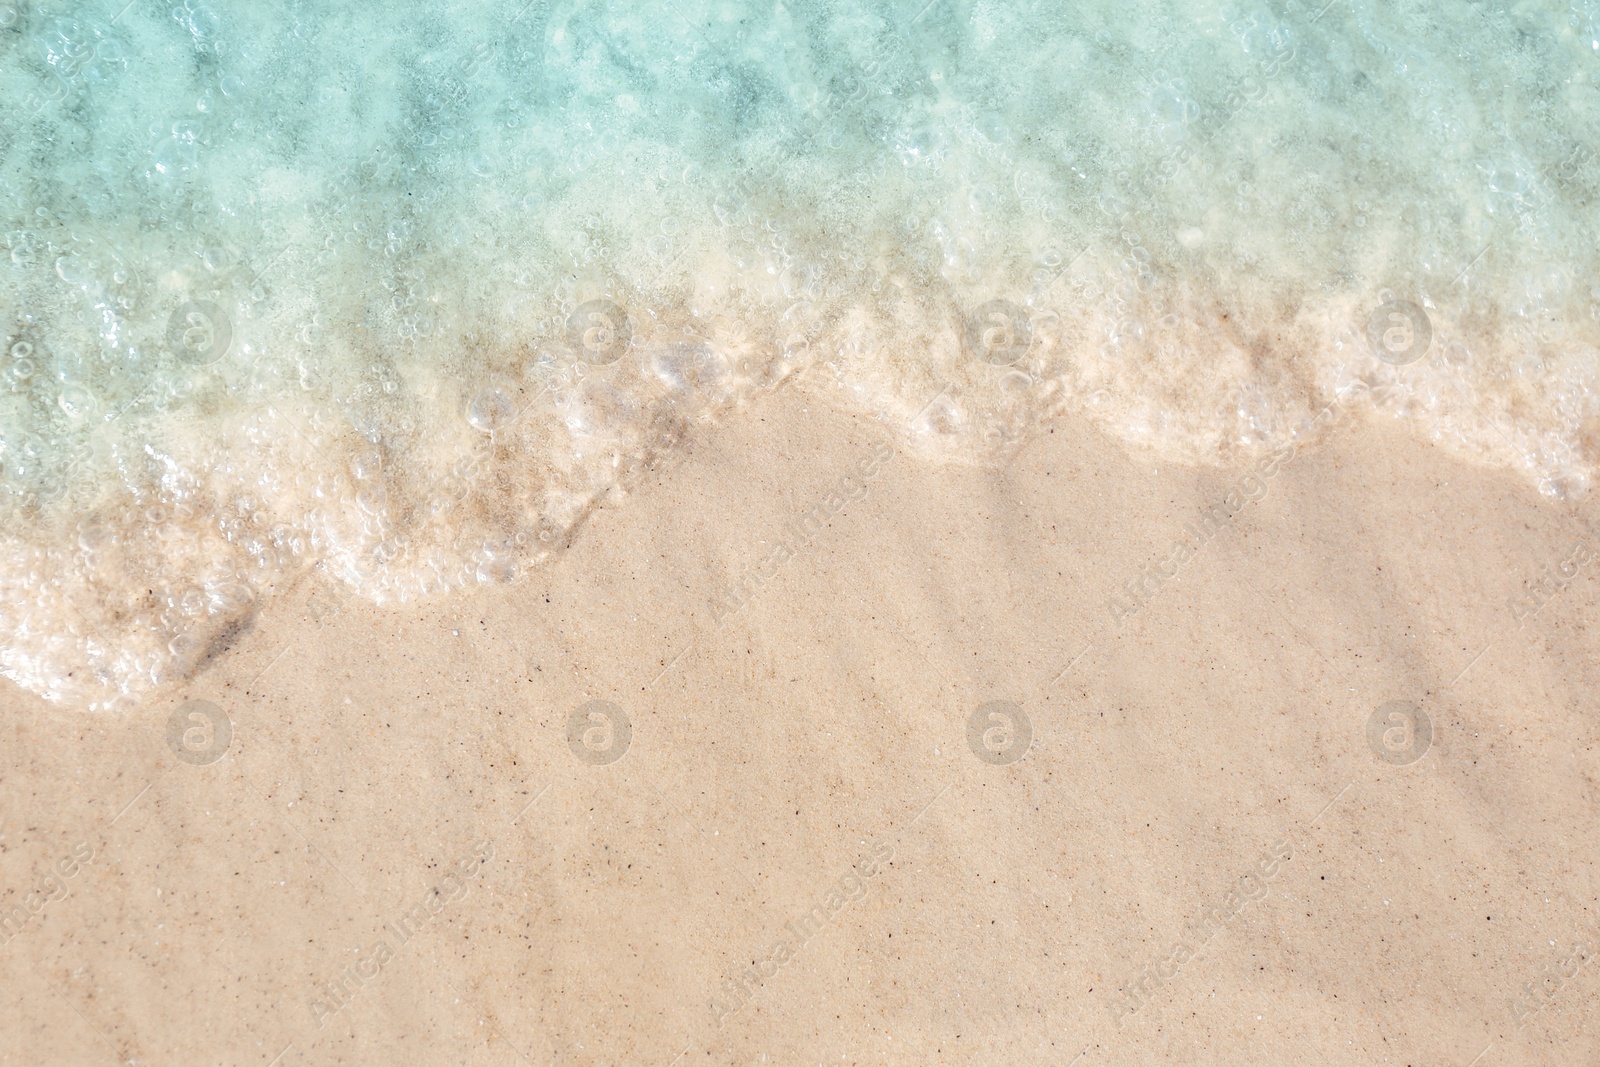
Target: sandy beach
pixel 564 533
pixel 968 766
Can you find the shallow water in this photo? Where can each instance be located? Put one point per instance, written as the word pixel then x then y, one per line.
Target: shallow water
pixel 405 293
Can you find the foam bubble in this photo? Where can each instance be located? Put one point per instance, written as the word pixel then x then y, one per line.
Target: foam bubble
pixel 414 322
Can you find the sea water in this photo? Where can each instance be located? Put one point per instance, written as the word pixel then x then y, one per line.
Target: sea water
pixel 403 291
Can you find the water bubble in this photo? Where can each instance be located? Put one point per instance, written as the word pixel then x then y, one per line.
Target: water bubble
pixel 496 570
pixel 198 19
pixel 366 465
pixel 943 416
pixel 109 50
pixel 95 535
pixel 172 156
pixel 372 499
pixel 77 401
pixel 688 365
pixel 594 410
pixel 993 128
pixel 489 410
pixel 73 270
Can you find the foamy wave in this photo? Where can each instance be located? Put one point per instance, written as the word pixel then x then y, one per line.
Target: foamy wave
pixel 407 296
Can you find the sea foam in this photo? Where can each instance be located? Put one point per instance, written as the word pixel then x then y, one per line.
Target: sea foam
pixel 405 291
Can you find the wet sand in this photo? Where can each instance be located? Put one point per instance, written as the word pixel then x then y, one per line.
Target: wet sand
pixel 784 837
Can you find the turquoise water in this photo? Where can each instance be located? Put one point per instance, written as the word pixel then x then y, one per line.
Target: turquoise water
pixel 405 291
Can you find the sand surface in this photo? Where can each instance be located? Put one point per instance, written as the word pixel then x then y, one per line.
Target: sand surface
pixel 797 851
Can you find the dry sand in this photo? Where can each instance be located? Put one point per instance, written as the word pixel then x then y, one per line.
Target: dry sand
pixel 1206 755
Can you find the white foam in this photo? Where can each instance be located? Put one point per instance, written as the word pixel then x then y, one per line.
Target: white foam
pixel 407 295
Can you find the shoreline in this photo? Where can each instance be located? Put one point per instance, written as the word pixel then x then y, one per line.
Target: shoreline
pixel 1125 774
